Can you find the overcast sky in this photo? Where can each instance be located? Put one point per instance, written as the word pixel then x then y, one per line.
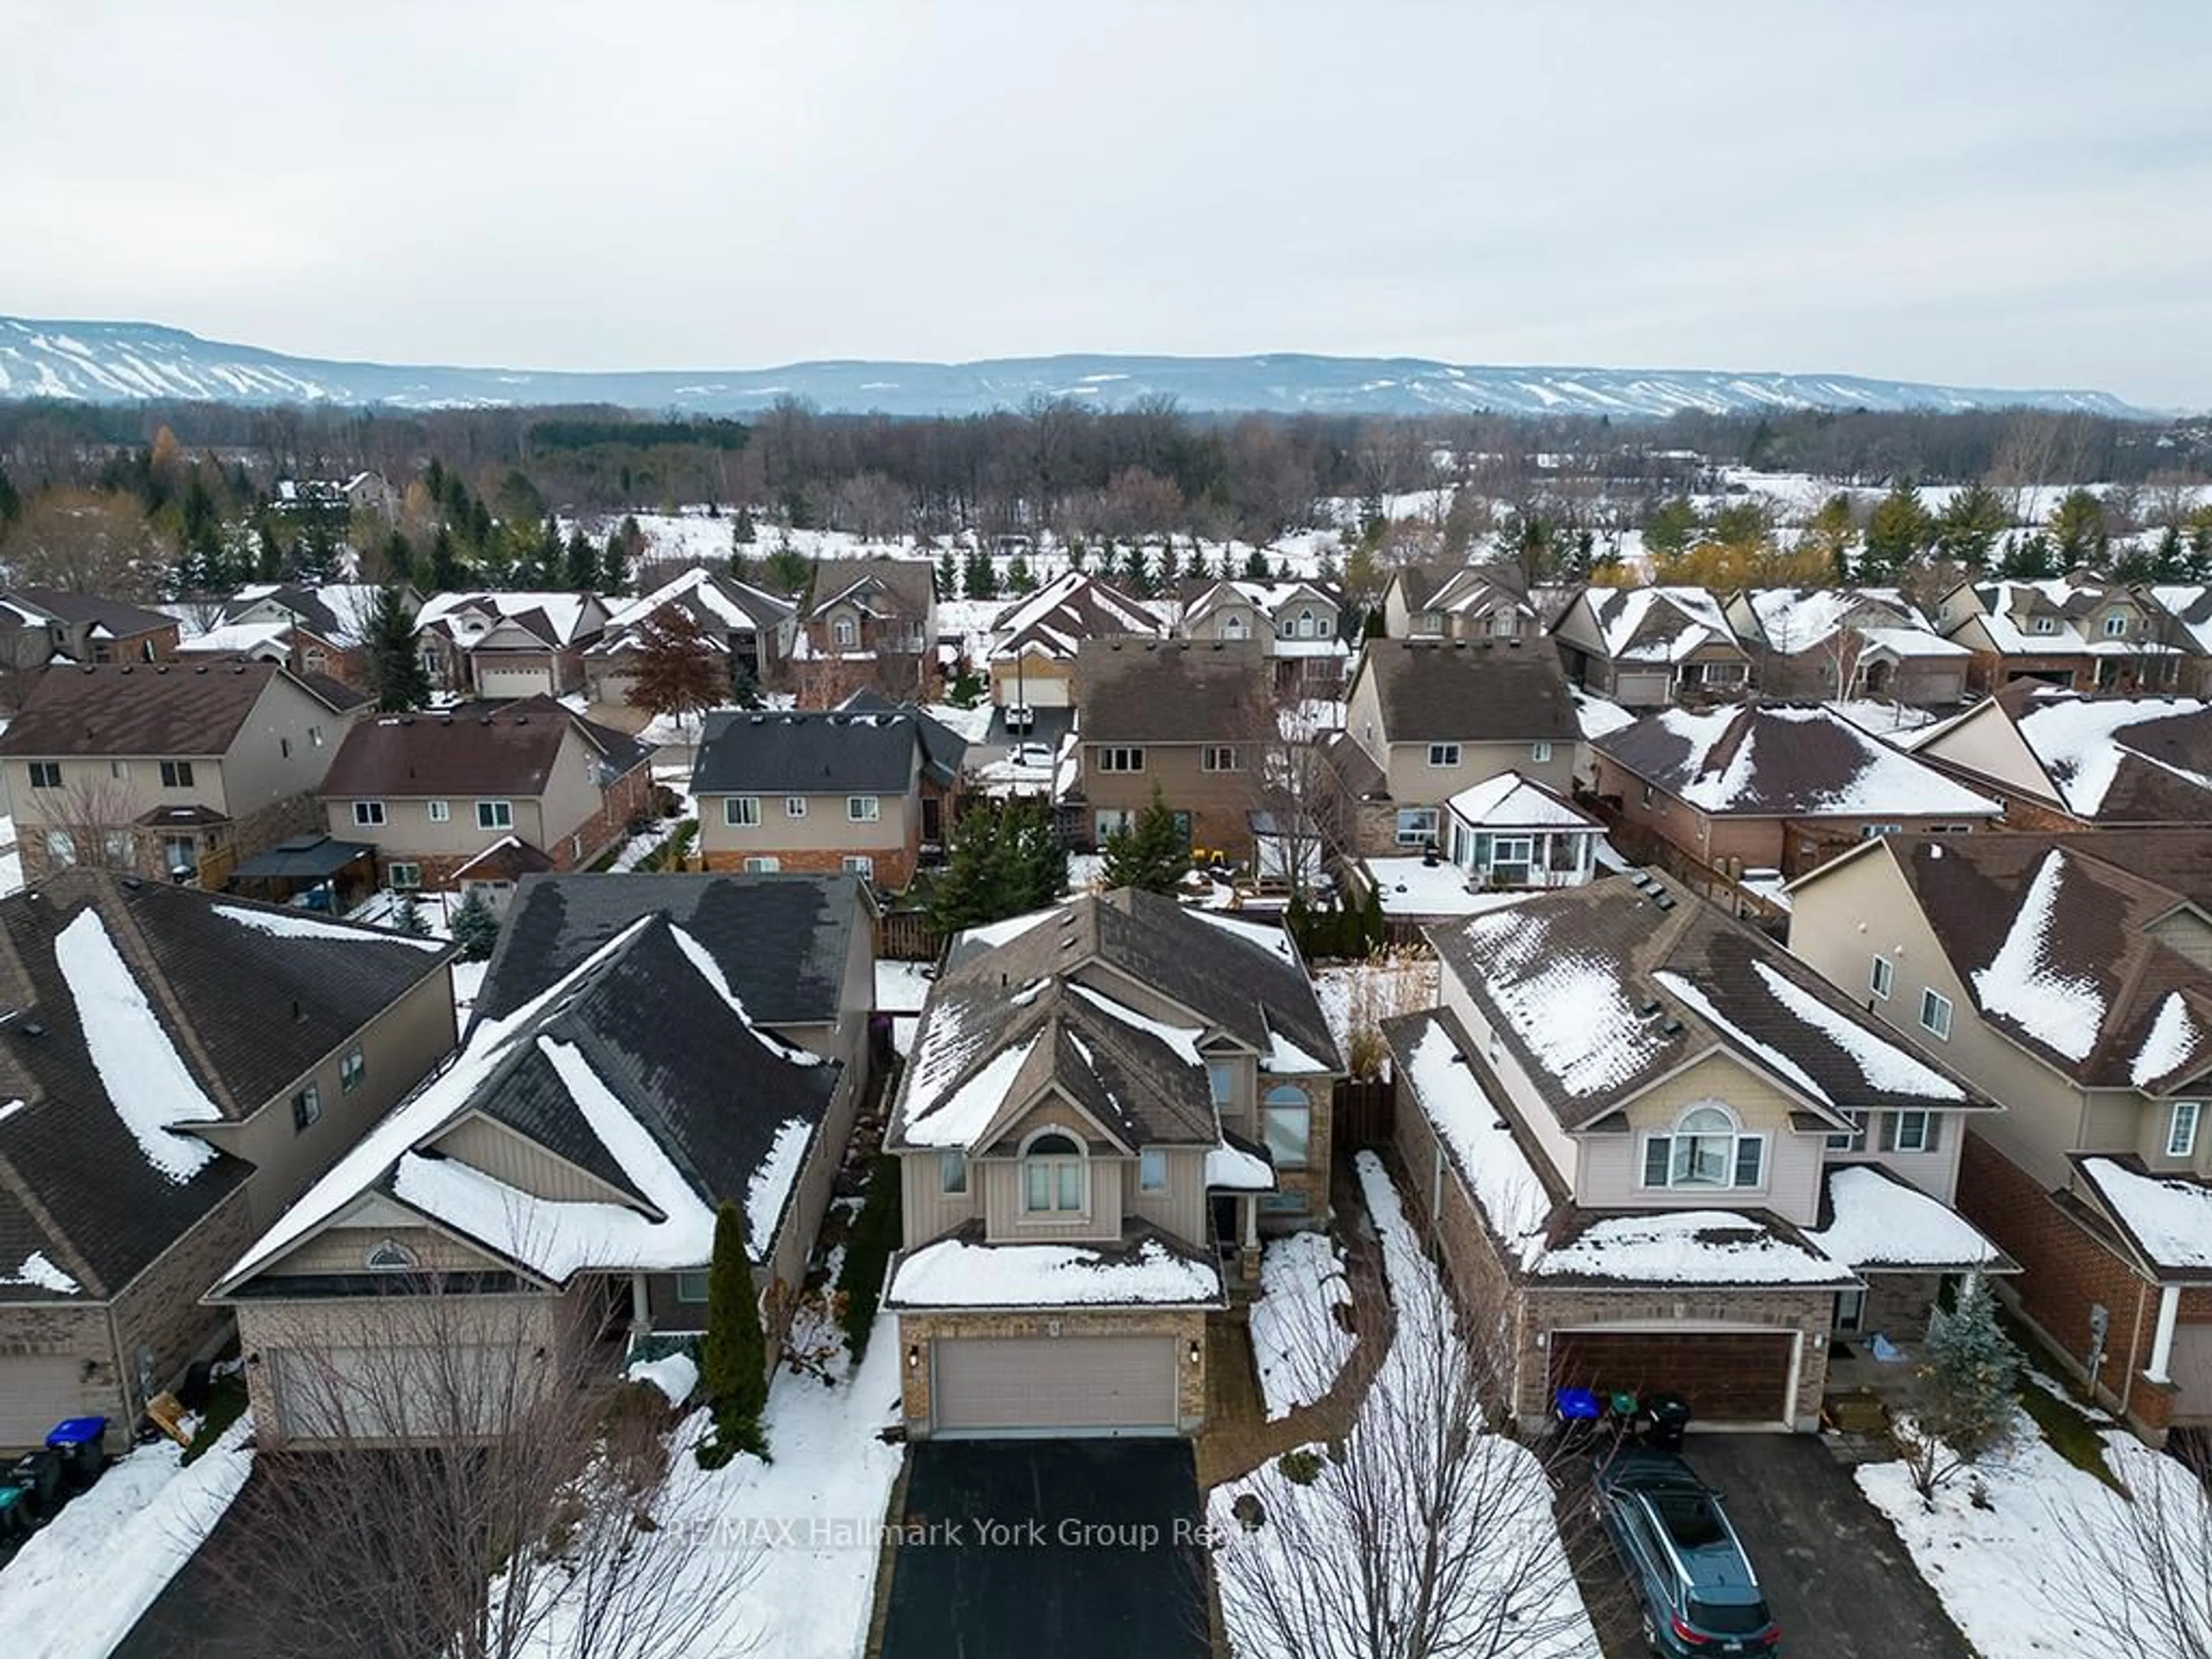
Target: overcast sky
pixel 1993 193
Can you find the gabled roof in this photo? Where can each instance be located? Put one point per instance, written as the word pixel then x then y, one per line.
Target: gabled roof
pixel 2165 1217
pixel 339 611
pixel 790 751
pixel 1437 585
pixel 549 617
pixel 133 1008
pixel 471 749
pixel 148 709
pixel 1510 801
pixel 1790 620
pixel 1655 979
pixel 1059 617
pixel 1203 596
pixel 1658 624
pixel 781 942
pixel 1172 691
pixel 1783 760
pixel 944 750
pixel 2115 760
pixel 638 1067
pixel 1041 1000
pixel 903 588
pixel 109 618
pixel 720 604
pixel 1485 690
pixel 2190 605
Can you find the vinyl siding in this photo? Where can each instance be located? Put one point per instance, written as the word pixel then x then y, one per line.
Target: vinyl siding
pixel 1005 1221
pixel 520 1163
pixel 1986 742
pixel 1613 1163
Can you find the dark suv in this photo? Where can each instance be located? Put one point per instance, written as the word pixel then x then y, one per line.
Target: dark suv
pixel 1697 1590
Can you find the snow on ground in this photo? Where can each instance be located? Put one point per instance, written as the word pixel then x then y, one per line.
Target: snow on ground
pixel 1298 1342
pixel 2010 1573
pixel 901 990
pixel 1301 1518
pixel 468 983
pixel 1881 719
pixel 11 854
pixel 1415 889
pixel 674 1373
pixel 77 1587
pixel 1354 994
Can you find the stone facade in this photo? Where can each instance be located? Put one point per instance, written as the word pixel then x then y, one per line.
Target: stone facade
pixel 1313 1181
pixel 916 1331
pixel 160 1324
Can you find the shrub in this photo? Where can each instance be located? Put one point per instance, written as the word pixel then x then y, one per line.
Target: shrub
pixel 1300 1466
pixel 734 1357
pixel 868 1250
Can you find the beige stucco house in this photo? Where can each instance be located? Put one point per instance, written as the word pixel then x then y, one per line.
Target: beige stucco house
pixel 1657 1154
pixel 1105 1102
pixel 1646 648
pixel 1462 602
pixel 1194 719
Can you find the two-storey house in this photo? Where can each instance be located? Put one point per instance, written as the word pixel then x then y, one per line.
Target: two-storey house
pixel 1847 642
pixel 1295 622
pixel 435 793
pixel 1657 1153
pixel 749 627
pixel 512 644
pixel 177 1067
pixel 310 628
pixel 1194 720
pixel 1104 1102
pixel 172 771
pixel 40 625
pixel 2074 632
pixel 1646 648
pixel 1459 602
pixel 876 616
pixel 2070 975
pixel 1035 639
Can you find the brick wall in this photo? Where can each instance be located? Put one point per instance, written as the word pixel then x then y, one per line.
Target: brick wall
pixel 59 1330
pixel 894 866
pixel 160 1311
pixel 917 1331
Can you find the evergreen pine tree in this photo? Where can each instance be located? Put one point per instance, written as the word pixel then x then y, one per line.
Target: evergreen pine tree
pixel 407 916
pixel 579 564
pixel 742 531
pixel 1964 1397
pixel 745 685
pixel 11 503
pixel 1151 853
pixel 395 674
pixel 614 568
pixel 1255 567
pixel 948 574
pixel 1019 579
pixel 446 573
pixel 270 555
pixel 399 558
pixel 476 929
pixel 733 1354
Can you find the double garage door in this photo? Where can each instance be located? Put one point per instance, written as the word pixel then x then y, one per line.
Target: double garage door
pixel 1726 1376
pixel 493 681
pixel 1072 1385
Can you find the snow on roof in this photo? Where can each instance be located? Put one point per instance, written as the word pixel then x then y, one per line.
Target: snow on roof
pixel 1769 1056
pixel 1861 776
pixel 225 638
pixel 1881 720
pixel 563 611
pixel 712 597
pixel 1889 1066
pixel 2019 983
pixel 2173 1036
pixel 994 934
pixel 1878 1221
pixel 953 1273
pixel 1510 801
pixel 142 1075
pixel 1794 619
pixel 1696 620
pixel 1599 715
pixel 1913 643
pixel 39 1273
pixel 1275 940
pixel 1513 1199
pixel 936 1117
pixel 2169 1217
pixel 1690 1247
pixel 1182 1040
pixel 1238 1170
pixel 771 1185
pixel 293 924
pixel 1605 1044
pixel 2082 740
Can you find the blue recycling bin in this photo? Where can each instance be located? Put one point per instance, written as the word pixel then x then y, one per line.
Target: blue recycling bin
pixel 1576 1405
pixel 82 1444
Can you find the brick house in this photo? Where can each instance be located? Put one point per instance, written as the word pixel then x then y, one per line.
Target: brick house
pixel 2075 632
pixel 2062 761
pixel 747 625
pixel 1190 718
pixel 434 792
pixel 1104 1103
pixel 1295 622
pixel 857 791
pixel 506 645
pixel 164 768
pixel 1709 1170
pixel 2186 609
pixel 1459 602
pixel 1770 786
pixel 553 1193
pixel 1426 719
pixel 1847 642
pixel 2072 976
pixel 310 628
pixel 40 625
pixel 178 1067
pixel 1646 648
pixel 877 617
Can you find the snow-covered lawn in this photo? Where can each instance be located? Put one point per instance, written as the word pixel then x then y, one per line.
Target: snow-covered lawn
pixel 901 990
pixel 1298 1342
pixel 2010 1574
pixel 77 1587
pixel 1503 1535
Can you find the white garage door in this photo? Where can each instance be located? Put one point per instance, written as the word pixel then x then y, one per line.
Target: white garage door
pixel 1073 1385
pixel 381 1393
pixel 493 682
pixel 35 1394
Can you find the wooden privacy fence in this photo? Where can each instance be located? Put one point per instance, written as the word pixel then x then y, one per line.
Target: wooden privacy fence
pixel 1365 1114
pixel 905 936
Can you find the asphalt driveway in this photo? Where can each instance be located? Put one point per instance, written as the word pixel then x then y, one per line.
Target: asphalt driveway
pixel 1067 1547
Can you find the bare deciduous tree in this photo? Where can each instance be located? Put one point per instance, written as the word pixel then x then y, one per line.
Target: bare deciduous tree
pixel 89 541
pixel 2145 1587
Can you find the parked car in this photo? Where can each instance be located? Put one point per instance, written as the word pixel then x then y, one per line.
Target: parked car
pixel 1693 1584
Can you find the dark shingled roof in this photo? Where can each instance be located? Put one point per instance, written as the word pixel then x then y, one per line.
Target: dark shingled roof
pixel 116 617
pixel 249 1010
pixel 806 752
pixel 143 709
pixel 898 587
pixel 1482 690
pixel 472 749
pixel 944 751
pixel 782 941
pixel 1134 691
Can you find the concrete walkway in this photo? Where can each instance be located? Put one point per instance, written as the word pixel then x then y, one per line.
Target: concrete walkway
pixel 1239 1437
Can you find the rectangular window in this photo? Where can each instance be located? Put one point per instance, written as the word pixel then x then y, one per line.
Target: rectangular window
pixel 1881 974
pixel 857 864
pixel 1121 760
pixel 2181 1128
pixel 2045 625
pixel 494 815
pixel 741 812
pixel 315 736
pixel 307 1107
pixel 1429 622
pixel 1850 1310
pixel 794 806
pixel 2116 626
pixel 1443 754
pixel 863 809
pixel 285 748
pixel 116 850
pixel 692 1289
pixel 61 846
pixel 1416 825
pixel 1152 1170
pixel 952 1173
pixel 406 878
pixel 441 812
pixel 1725 673
pixel 1909 1131
pixel 1053 1184
pixel 1658 1156
pixel 45 775
pixel 1112 822
pixel 176 774
pixel 1516 850
pixel 1287 1131
pixel 763 866
pixel 1935 1013
pixel 1220 758
pixel 368 814
pixel 1873 831
pixel 1541 751
pixel 1750 1160
pixel 1221 1081
pixel 352 1069
pixel 179 853
pixel 845 632
pixel 1852 1140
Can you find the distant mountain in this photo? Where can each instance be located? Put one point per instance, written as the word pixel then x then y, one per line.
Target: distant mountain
pixel 124 362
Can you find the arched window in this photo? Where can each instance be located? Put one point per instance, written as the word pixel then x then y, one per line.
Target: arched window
pixel 1305 625
pixel 1052 1174
pixel 1287 1125
pixel 1706 1148
pixel 390 1256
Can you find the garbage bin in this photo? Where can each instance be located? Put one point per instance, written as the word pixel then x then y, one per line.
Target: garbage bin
pixel 81 1442
pixel 1667 1415
pixel 14 1518
pixel 38 1477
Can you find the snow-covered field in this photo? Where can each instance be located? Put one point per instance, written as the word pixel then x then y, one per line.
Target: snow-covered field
pixel 2013 1572
pixel 1298 1343
pixel 77 1587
